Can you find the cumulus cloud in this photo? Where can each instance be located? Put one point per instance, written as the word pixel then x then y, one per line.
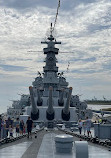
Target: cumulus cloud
pixel 12 68
pixel 26 5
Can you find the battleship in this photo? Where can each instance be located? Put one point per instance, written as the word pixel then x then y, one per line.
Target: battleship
pixel 50 97
pixel 18 106
pixel 54 109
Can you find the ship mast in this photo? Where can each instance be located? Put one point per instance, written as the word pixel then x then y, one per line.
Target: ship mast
pixel 50 69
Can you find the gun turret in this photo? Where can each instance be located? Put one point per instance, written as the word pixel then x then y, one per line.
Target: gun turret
pixel 61 99
pixel 50 110
pixel 65 111
pixel 35 111
pixel 39 99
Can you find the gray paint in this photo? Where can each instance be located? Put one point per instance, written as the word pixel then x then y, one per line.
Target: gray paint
pixel 81 149
pixel 102 131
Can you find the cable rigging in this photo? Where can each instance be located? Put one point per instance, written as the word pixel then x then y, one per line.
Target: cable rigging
pixel 56 15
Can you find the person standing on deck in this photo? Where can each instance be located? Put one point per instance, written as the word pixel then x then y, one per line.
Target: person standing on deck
pixel 10 131
pixel 88 126
pixel 29 124
pixel 21 127
pixel 80 124
pixel 4 133
pixel 17 127
pixel 8 123
pixel 84 127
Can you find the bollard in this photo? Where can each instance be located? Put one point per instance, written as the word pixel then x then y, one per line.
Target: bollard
pixel 81 149
pixel 64 143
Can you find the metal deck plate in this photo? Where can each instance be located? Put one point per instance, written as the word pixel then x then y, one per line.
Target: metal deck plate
pixel 14 151
pixel 47 150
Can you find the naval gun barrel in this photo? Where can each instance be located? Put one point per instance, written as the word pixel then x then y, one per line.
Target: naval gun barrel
pixel 39 99
pixel 50 110
pixel 61 98
pixel 66 110
pixel 35 110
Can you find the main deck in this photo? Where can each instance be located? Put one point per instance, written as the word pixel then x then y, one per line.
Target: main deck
pixel 44 147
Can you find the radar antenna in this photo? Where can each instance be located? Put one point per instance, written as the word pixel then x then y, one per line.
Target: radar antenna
pixel 68 66
pixel 51 29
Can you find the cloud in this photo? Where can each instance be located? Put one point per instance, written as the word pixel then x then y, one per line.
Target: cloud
pixel 12 68
pixel 83 27
pixel 27 4
pixel 65 4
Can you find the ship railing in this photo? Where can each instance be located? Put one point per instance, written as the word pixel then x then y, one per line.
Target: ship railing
pixel 95 140
pixel 14 138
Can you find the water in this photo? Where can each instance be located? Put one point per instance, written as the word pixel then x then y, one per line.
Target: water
pixel 91 106
pixel 98 107
pixel 3 109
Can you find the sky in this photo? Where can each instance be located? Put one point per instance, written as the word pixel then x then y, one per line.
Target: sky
pixel 83 27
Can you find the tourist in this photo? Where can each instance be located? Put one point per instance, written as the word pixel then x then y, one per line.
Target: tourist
pixel 17 130
pixel 17 127
pixel 84 127
pixel 29 126
pixel 8 123
pixel 100 120
pixel 10 131
pixel 80 124
pixel 21 127
pixel 88 126
pixel 24 129
pixel 4 132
